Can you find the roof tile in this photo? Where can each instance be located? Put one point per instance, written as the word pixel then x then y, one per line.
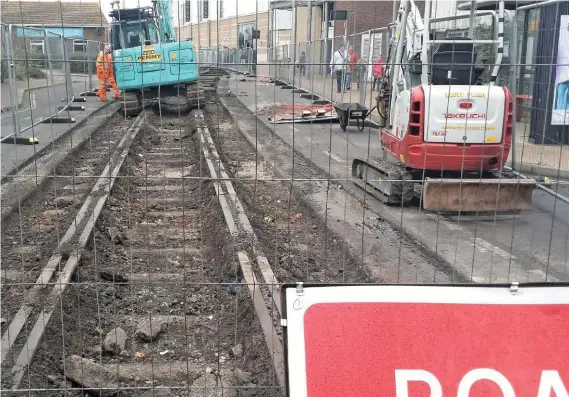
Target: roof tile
pixel 52 13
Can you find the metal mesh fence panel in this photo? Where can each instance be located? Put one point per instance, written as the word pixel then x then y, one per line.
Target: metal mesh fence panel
pixel 147 240
pixel 34 62
pixel 4 52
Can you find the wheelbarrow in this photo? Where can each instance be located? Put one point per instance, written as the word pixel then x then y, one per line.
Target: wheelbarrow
pixel 354 111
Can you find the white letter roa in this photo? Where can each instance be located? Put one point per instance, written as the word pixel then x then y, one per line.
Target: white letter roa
pixel 404 376
pixel 550 381
pixel 484 373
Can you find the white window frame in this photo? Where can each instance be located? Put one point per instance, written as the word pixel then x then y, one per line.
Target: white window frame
pixel 37 43
pixel 82 43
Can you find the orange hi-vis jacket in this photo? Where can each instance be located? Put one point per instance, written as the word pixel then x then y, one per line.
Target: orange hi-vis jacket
pixel 105 66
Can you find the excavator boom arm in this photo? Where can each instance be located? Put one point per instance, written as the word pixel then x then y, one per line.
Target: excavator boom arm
pixel 166 22
pixel 405 44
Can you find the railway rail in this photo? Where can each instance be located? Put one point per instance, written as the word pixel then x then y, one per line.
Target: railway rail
pixel 165 256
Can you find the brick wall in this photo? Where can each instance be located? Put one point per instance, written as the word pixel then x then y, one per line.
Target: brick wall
pixel 365 15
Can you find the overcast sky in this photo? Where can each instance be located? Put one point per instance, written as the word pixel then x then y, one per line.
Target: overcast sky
pixel 106 4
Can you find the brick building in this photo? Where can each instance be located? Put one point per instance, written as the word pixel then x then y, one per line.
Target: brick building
pixel 366 15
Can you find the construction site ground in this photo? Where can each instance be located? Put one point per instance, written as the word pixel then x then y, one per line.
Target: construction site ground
pixel 531 246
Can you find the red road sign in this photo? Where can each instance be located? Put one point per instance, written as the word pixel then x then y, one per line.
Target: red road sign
pixel 420 341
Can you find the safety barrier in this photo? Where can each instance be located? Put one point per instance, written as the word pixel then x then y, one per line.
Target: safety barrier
pixel 242 60
pixel 234 251
pixel 36 59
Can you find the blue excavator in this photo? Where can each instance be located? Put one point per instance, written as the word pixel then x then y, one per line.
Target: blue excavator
pixel 150 65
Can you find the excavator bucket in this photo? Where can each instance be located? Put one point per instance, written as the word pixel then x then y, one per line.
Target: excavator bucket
pixel 477 195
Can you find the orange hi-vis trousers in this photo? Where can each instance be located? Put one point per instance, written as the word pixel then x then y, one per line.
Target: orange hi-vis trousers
pixel 104 86
pixel 106 76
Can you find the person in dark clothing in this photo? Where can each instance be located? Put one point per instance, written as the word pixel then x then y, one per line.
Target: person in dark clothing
pixel 302 63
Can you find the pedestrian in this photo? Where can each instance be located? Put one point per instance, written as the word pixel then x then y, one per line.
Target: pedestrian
pixel 377 72
pixel 302 63
pixel 106 74
pixel 353 60
pixel 338 66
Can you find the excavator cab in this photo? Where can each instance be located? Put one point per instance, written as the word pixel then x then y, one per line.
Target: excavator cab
pixel 454 64
pixel 450 63
pixel 131 34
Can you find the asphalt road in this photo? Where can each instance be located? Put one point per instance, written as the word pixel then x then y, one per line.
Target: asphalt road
pixel 35 106
pixel 531 246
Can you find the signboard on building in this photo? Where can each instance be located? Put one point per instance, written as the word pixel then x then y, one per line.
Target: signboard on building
pixel 410 341
pixel 456 33
pixel 339 15
pixel 560 113
pixel 38 32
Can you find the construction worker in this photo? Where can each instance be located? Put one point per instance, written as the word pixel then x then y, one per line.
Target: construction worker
pixel 106 74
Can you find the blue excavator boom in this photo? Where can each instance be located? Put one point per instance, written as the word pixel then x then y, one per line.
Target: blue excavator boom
pixel 167 31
